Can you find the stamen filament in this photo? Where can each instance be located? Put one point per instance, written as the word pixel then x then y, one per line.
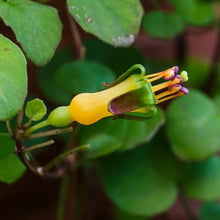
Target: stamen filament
pixel 151 75
pixel 163 94
pixel 154 78
pixel 160 86
pixel 169 97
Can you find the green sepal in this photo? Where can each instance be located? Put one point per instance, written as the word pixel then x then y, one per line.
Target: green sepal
pixel 132 100
pixel 124 76
pixel 147 113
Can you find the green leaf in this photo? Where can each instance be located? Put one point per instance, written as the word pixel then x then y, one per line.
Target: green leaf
pixel 83 76
pixel 210 211
pixel 193 126
pixel 163 24
pixel 118 59
pixel 38 30
pixel 194 11
pixel 13 78
pixel 115 22
pixel 130 133
pixel 35 109
pixel 203 179
pixel 11 169
pixel 7 145
pixel 134 186
pixel 46 77
pixel 101 145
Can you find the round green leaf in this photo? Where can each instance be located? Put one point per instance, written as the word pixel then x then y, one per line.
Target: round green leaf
pixel 38 30
pixel 135 187
pixel 194 12
pixel 83 76
pixel 11 169
pixel 35 109
pixel 210 211
pixel 115 22
pixel 7 145
pixel 101 145
pixel 203 179
pixel 162 24
pixel 193 126
pixel 13 78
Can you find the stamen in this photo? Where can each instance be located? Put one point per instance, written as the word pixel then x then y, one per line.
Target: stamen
pixel 168 74
pixel 160 86
pixel 171 89
pixel 169 97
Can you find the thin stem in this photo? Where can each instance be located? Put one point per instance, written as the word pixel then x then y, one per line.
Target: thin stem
pixel 62 198
pixel 37 146
pixel 78 48
pixel 36 127
pixel 50 133
pixel 20 117
pixel 10 131
pixel 62 156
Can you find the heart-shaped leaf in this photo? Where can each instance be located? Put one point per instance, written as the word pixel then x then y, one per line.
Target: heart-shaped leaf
pixel 11 169
pixel 83 76
pixel 193 126
pixel 38 30
pixel 7 145
pixel 162 24
pixel 134 186
pixel 13 78
pixel 115 22
pixel 203 179
pixel 35 109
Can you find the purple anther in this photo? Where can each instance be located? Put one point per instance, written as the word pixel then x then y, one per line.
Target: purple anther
pixel 179 77
pixel 176 70
pixel 184 90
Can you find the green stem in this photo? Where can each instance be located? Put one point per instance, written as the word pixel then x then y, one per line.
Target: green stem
pixel 62 156
pixel 62 198
pixel 36 127
pixel 10 131
pixel 50 132
pixel 37 146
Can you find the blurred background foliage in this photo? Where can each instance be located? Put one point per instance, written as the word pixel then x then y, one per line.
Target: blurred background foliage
pixel 165 168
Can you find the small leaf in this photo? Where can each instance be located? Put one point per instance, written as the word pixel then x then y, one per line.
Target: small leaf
pixel 83 76
pixel 193 126
pixel 162 24
pixel 194 12
pixel 38 30
pixel 11 169
pixel 115 22
pixel 203 179
pixel 7 145
pixel 210 211
pixel 101 145
pixel 13 78
pixel 134 186
pixel 35 109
